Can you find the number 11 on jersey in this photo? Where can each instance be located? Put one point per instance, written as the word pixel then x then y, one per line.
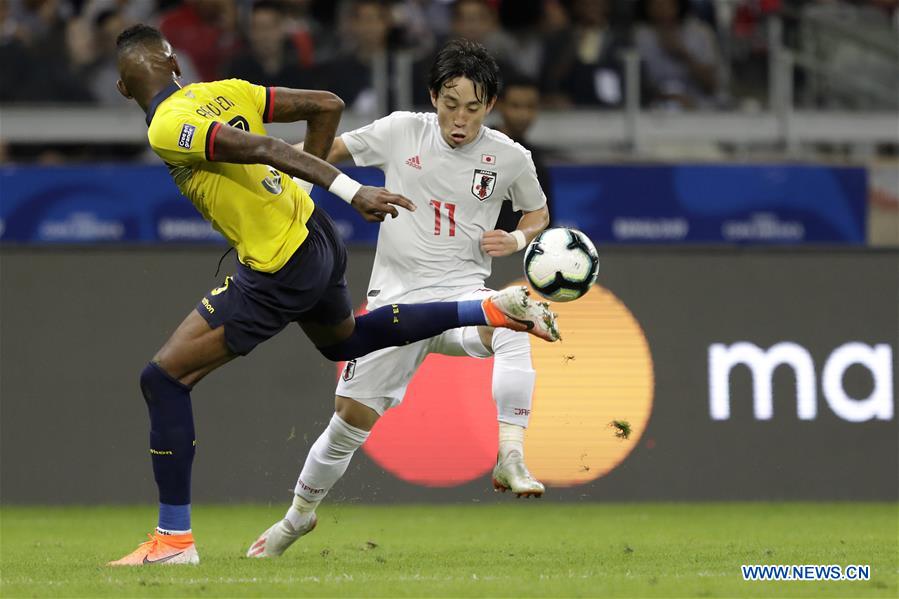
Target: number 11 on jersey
pixel 450 214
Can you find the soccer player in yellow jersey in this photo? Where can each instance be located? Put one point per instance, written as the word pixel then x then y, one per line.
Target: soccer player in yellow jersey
pixel 291 258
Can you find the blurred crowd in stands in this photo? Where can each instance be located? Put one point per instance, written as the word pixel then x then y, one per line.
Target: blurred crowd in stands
pixel 693 53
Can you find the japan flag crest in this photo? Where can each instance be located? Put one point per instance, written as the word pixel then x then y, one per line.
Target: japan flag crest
pixel 482 184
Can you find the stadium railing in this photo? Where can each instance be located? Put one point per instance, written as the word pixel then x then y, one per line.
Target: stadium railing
pixel 582 135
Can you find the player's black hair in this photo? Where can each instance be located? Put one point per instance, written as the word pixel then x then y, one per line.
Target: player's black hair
pixel 517 79
pixel 464 58
pixel 137 34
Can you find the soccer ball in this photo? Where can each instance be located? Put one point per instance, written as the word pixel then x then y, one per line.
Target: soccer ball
pixel 561 264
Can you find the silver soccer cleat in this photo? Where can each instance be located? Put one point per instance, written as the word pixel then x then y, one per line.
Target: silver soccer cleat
pixel 511 474
pixel 281 535
pixel 512 308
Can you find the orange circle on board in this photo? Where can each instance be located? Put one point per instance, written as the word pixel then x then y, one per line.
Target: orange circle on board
pixel 601 371
pixel 444 433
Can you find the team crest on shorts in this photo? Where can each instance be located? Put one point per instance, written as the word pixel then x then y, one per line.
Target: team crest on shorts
pixel 350 370
pixel 482 184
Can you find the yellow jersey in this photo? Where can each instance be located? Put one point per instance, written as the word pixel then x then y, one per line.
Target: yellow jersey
pixel 259 210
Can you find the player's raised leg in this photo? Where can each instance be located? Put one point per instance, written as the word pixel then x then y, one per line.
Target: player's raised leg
pixel 193 351
pixel 513 389
pixel 400 324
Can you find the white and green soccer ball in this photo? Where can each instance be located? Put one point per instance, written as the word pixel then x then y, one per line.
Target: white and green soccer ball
pixel 561 264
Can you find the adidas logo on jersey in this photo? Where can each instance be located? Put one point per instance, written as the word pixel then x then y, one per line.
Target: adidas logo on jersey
pixel 414 162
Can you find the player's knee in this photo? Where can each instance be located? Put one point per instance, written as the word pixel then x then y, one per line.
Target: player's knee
pixel 511 345
pixel 147 381
pixel 342 350
pixel 485 335
pixel 354 413
pixel 153 379
pixel 476 341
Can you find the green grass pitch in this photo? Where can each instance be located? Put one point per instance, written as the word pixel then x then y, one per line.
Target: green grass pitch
pixel 515 549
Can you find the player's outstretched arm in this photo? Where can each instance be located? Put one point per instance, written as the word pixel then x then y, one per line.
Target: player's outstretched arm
pixel 230 144
pixel 501 243
pixel 320 109
pixel 338 153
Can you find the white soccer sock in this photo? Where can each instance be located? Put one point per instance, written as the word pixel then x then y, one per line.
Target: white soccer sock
pixel 328 459
pixel 513 388
pixel 513 377
pixel 511 438
pixel 299 513
pixel 167 532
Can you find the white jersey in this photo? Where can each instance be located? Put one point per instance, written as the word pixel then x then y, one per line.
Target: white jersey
pixel 432 253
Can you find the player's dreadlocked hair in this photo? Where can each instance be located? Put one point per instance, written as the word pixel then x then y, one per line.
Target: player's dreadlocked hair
pixel 464 58
pixel 137 34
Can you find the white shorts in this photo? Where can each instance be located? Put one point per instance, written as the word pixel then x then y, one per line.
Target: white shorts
pixel 379 379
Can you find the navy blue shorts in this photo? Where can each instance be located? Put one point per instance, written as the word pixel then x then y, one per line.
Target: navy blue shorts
pixel 254 306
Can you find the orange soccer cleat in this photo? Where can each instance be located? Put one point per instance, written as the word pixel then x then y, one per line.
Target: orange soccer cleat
pixel 513 309
pixel 162 549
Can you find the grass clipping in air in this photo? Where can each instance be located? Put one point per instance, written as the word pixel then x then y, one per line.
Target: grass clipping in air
pixel 622 428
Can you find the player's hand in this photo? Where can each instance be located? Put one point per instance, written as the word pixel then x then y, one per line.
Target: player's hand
pixel 375 203
pixel 498 243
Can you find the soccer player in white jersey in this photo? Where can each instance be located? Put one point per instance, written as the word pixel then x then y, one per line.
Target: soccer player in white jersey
pixel 458 172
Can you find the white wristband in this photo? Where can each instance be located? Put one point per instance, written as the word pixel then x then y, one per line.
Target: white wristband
pixel 345 188
pixel 520 240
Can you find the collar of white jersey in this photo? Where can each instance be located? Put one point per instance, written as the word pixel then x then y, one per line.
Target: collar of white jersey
pixel 445 146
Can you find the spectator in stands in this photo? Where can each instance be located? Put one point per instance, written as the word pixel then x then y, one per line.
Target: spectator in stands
pixel 421 24
pixel 38 20
pixel 583 62
pixel 90 53
pixel 314 43
pixel 349 75
pixel 478 21
pixel 39 66
pixel 707 12
pixel 518 106
pixel 131 11
pixel 554 17
pixel 81 49
pixel 101 72
pixel 679 54
pixel 14 58
pixel 205 31
pixel 271 57
pixel 523 20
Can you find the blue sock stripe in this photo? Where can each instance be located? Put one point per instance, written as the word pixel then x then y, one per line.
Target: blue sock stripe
pixel 174 517
pixel 471 313
pixel 399 324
